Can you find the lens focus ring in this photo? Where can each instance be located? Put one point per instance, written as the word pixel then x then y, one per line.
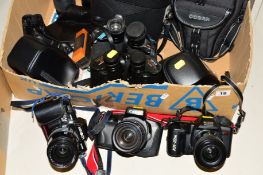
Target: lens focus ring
pixel 210 153
pixel 62 152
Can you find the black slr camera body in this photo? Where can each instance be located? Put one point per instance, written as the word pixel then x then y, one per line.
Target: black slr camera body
pixel 131 134
pixel 66 134
pixel 135 58
pixel 208 142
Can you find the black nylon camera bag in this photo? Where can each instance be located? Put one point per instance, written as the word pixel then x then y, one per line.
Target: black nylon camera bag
pixel 207 28
pixel 150 12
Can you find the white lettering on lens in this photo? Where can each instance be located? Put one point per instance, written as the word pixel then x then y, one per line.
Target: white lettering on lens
pixel 174 143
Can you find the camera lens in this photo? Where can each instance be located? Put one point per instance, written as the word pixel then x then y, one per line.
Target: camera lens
pixel 210 153
pixel 129 136
pixel 62 152
pixel 138 61
pixel 116 27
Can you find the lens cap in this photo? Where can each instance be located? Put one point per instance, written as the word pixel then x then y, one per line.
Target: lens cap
pixel 136 33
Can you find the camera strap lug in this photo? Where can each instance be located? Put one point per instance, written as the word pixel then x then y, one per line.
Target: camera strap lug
pixel 241 116
pixel 240 120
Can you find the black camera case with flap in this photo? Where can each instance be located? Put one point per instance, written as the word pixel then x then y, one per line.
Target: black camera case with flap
pixel 207 28
pixel 37 60
pixel 184 68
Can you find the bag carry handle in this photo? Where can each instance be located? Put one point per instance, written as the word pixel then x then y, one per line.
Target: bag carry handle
pixel 242 113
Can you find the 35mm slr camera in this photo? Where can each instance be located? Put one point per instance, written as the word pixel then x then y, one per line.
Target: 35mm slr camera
pixel 208 141
pixel 65 133
pixel 131 134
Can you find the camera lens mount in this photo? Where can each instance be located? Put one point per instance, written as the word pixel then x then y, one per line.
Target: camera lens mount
pixel 130 136
pixel 62 151
pixel 210 153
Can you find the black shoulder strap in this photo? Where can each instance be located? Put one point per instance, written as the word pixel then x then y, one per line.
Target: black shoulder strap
pixel 180 112
pixel 238 93
pixel 171 29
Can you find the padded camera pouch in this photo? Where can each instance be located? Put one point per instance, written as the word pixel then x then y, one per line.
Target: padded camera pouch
pixel 150 12
pixel 184 68
pixel 33 58
pixel 207 28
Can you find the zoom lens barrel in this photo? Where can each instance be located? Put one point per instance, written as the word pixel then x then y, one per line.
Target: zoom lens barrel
pixel 210 153
pixel 62 151
pixel 130 136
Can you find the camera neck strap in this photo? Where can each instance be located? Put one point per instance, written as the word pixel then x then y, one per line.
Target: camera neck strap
pixel 242 113
pixel 94 162
pixel 180 112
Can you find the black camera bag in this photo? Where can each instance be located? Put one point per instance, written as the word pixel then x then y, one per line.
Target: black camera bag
pixel 207 28
pixel 150 12
pixel 40 61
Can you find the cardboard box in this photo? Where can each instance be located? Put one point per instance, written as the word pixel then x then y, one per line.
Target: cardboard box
pixel 164 98
pixel 5 96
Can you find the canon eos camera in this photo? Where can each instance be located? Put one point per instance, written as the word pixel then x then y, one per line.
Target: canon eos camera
pixel 131 134
pixel 65 133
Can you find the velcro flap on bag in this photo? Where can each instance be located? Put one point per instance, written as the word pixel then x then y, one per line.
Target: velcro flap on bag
pixel 203 14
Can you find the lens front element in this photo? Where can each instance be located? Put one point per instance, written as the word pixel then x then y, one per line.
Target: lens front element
pixel 129 137
pixel 210 153
pixel 62 153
